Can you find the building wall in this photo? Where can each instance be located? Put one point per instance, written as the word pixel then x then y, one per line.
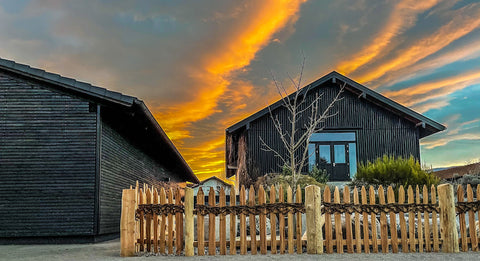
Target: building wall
pixel 121 165
pixel 47 161
pixel 216 186
pixel 378 130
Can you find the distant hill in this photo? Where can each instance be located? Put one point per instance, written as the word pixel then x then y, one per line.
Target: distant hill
pixel 448 173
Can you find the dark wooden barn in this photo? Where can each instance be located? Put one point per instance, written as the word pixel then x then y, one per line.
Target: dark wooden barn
pixel 67 149
pixel 367 125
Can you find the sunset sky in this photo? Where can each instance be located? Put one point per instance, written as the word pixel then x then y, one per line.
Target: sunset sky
pixel 201 66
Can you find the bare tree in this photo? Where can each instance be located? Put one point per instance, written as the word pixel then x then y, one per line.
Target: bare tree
pixel 296 136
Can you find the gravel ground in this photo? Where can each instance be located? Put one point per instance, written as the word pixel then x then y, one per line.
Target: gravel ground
pixel 111 251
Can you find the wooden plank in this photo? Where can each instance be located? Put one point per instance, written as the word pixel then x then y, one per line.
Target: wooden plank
pixel 127 223
pixel 358 239
pixel 178 224
pixel 366 239
pixel 446 203
pixel 338 222
pixel 243 223
pixel 478 214
pixel 155 222
pixel 403 225
pixel 348 221
pixel 189 222
pixel 383 221
pixel 426 222
pixel 142 221
pixel 411 222
pixel 281 222
pixel 263 222
pixel 273 222
pixel 212 249
pixel 461 218
pixel 200 224
pixel 163 222
pixel 251 219
pixel 298 199
pixel 328 222
pixel 471 220
pixel 223 224
pixel 393 220
pixel 433 200
pixel 419 222
pixel 233 225
pixel 290 221
pixel 170 223
pixel 373 220
pixel 314 220
pixel 148 223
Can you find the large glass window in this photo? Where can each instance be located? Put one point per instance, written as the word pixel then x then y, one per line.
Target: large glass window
pixel 324 152
pixel 333 136
pixel 339 153
pixel 311 156
pixel 352 158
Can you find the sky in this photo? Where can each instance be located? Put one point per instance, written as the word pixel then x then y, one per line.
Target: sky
pixel 201 66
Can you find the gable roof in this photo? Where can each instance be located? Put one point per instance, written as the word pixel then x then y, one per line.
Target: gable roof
pixel 429 126
pixel 121 103
pixel 213 178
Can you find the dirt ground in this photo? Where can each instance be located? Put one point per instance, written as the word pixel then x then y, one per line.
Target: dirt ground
pixel 111 251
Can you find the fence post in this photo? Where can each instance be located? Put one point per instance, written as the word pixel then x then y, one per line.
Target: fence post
pixel 189 222
pixel 448 226
pixel 314 219
pixel 127 223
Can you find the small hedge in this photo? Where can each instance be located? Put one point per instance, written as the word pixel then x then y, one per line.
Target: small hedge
pixel 392 171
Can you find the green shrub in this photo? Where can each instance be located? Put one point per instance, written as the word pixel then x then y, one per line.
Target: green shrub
pixel 320 175
pixel 392 171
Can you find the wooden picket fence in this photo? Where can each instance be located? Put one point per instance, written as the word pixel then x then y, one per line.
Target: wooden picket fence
pixel 358 221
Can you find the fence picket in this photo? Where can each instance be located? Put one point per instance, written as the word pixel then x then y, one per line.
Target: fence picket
pixel 411 222
pixel 290 221
pixel 263 221
pixel 148 223
pixel 338 223
pixel 461 217
pixel 155 223
pixel 251 219
pixel 233 225
pixel 471 220
pixel 200 224
pixel 348 221
pixel 426 222
pixel 298 198
pixel 433 199
pixel 212 249
pixel 403 225
pixel 273 223
pixel 223 225
pixel 178 224
pixel 142 220
pixel 419 222
pixel 393 220
pixel 383 221
pixel 163 221
pixel 281 222
pixel 477 224
pixel 358 240
pixel 243 224
pixel 366 238
pixel 328 223
pixel 373 220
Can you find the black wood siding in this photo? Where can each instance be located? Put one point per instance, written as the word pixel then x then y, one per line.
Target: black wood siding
pixel 379 131
pixel 47 161
pixel 121 165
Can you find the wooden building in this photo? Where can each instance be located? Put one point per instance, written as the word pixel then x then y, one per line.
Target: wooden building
pixel 214 182
pixel 367 125
pixel 67 149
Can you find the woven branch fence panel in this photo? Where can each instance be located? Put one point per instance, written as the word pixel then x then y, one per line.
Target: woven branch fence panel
pixel 278 220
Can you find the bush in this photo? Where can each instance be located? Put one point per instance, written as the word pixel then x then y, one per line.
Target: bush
pixel 391 171
pixel 320 175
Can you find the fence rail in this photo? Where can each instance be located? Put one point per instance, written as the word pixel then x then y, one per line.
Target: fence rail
pixel 359 221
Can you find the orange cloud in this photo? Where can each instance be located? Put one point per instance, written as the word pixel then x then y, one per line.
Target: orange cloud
pixel 402 17
pixel 463 21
